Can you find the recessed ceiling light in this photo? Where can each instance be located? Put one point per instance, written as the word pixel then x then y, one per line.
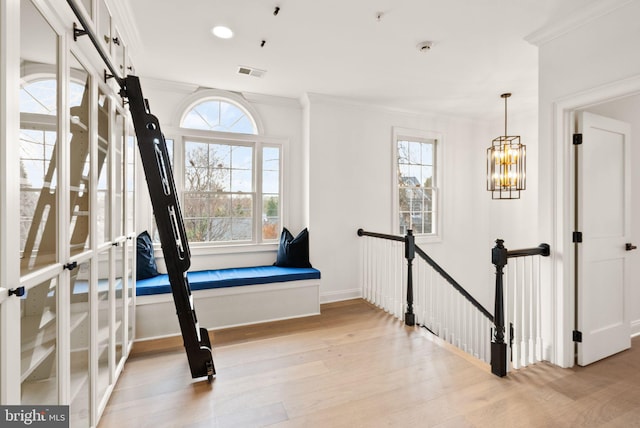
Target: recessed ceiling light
pixel 222 32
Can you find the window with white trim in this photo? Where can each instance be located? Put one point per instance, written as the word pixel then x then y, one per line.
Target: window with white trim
pixel 218 114
pixel 230 187
pixel 416 182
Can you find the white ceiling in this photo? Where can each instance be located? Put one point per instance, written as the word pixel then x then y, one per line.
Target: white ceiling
pixel 339 48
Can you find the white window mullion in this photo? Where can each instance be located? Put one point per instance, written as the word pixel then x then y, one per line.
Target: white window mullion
pixel 257 192
pixel 177 166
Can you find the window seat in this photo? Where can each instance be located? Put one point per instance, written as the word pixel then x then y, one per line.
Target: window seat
pixel 221 278
pixel 228 298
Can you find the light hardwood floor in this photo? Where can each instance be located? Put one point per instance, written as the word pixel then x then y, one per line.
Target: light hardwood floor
pixel 356 366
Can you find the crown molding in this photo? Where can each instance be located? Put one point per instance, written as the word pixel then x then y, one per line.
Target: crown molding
pixel 577 19
pixel 310 98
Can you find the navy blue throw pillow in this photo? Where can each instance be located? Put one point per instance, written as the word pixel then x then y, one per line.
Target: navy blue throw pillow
pixel 145 260
pixel 293 252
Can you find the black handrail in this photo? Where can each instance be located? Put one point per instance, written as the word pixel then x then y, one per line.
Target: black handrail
pixel 541 250
pixel 454 283
pixel 362 232
pixel 436 267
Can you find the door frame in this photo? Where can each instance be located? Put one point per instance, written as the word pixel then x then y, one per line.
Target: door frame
pixel 563 196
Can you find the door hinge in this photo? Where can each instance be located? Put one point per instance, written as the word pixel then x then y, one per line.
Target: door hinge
pixel 577 336
pixel 577 139
pixel 577 237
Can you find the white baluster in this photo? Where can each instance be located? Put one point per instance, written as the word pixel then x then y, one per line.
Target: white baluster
pixel 388 269
pixel 432 301
pixel 417 291
pixel 538 311
pixel 509 308
pixel 524 316
pixel 532 314
pixel 516 317
pixel 395 290
pixel 451 313
pixel 370 269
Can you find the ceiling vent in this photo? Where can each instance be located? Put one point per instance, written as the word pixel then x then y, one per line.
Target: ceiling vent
pixel 249 71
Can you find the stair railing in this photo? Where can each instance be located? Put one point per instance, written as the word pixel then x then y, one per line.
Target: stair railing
pixel 521 294
pixel 434 300
pixel 437 302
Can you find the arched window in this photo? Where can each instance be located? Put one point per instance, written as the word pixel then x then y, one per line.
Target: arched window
pixel 219 114
pixel 230 185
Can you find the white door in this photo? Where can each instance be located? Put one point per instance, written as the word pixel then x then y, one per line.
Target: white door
pixel 603 217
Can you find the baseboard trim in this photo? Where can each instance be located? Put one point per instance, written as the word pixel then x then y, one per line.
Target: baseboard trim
pixel 635 328
pixel 338 296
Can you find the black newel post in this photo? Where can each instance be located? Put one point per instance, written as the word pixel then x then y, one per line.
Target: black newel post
pixel 498 346
pixel 409 253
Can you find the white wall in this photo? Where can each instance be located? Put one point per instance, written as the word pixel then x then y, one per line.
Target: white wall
pixel 350 183
pixel 593 53
pixel 339 179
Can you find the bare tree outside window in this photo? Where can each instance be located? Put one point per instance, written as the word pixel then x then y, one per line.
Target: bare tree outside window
pixel 218 192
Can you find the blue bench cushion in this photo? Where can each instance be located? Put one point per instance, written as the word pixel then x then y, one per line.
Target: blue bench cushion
pixel 220 278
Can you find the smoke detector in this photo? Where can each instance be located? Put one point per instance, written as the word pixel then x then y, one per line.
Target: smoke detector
pixel 250 71
pixel 424 46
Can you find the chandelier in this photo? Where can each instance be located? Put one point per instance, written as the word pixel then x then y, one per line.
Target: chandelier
pixel 506 164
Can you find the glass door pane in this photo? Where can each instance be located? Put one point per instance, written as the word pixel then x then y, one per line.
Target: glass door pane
pixel 39 344
pixel 38 140
pixel 80 316
pixel 80 159
pixel 119 166
pixel 102 357
pixel 103 206
pixel 120 301
pixel 131 254
pixel 130 186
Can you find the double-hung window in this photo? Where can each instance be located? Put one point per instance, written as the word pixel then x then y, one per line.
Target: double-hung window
pixel 416 169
